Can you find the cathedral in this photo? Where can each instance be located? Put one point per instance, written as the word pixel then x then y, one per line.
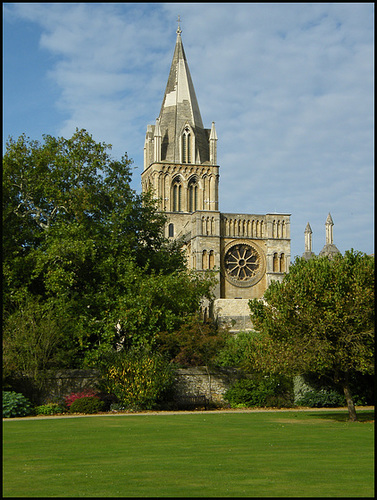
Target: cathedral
pixel 247 251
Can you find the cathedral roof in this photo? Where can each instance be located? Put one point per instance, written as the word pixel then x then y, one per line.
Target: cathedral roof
pixel 180 108
pixel 329 250
pixel 308 255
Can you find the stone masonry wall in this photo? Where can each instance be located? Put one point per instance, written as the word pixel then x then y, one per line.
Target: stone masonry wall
pixel 65 382
pixel 199 380
pixel 233 313
pixel 188 382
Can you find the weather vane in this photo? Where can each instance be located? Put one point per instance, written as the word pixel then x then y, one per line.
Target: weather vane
pixel 179 31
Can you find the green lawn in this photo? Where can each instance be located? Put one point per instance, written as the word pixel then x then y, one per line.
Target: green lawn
pixel 191 455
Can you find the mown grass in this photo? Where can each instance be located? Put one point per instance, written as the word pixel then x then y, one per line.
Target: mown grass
pixel 284 454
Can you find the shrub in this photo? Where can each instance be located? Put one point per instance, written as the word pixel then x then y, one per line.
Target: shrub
pixel 234 350
pixel 361 400
pixel 260 391
pixel 321 398
pixel 117 407
pixel 195 343
pixel 78 395
pixel 139 379
pixel 15 405
pixel 49 409
pixel 362 387
pixel 87 404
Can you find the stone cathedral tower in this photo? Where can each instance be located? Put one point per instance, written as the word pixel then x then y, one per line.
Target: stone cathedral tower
pixel 180 167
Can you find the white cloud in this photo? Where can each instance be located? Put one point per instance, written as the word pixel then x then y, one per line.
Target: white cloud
pixel 290 87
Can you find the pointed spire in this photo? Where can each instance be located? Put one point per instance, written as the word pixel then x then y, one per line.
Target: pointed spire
pixel 329 220
pixel 148 147
pixel 329 249
pixel 157 129
pixel 329 230
pixel 180 122
pixel 308 229
pixel 213 135
pixel 157 141
pixel 213 145
pixel 308 254
pixel 308 238
pixel 180 87
pixel 180 107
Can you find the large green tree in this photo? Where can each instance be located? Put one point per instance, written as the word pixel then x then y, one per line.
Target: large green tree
pixel 319 319
pixel 195 343
pixel 84 255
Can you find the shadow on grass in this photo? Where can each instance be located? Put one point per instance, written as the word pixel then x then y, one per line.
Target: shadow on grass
pixel 362 416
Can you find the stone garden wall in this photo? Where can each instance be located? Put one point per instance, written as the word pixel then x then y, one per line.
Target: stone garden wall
pixel 65 382
pixel 199 380
pixel 188 382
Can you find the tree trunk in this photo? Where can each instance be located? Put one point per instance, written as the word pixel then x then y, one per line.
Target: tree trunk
pixel 350 404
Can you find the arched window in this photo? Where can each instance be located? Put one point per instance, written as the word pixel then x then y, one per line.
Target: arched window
pixel 193 195
pixel 282 263
pixel 186 146
pixel 177 195
pixel 211 259
pixel 275 263
pixel 203 225
pixel 204 260
pixel 171 230
pixel 227 230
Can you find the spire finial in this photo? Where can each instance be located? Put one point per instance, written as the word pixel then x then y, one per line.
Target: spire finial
pixel 329 230
pixel 179 31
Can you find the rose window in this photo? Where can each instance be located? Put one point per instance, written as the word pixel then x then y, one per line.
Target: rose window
pixel 242 263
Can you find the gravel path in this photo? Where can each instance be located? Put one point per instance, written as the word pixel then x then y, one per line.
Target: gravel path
pixel 151 412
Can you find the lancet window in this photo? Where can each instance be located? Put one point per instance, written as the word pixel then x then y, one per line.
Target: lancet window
pixel 177 195
pixel 278 263
pixel 193 195
pixel 208 259
pixel 275 263
pixel 204 260
pixel 211 259
pixel 186 146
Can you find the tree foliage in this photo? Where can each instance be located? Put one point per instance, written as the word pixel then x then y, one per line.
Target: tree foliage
pixel 35 340
pixel 137 377
pixel 232 353
pixel 193 344
pixel 86 265
pixel 319 319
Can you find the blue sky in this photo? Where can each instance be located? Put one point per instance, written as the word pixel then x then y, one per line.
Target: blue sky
pixel 290 87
